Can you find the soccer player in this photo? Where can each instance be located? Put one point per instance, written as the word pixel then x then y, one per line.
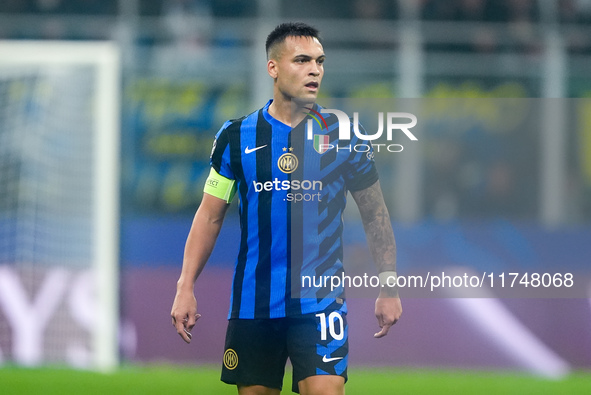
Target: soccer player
pixel 292 193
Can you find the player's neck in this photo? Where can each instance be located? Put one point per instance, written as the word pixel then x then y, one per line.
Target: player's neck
pixel 282 110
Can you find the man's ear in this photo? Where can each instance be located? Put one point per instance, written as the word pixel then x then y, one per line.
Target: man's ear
pixel 272 68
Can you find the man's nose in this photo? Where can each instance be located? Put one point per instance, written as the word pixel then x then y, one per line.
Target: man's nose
pixel 315 70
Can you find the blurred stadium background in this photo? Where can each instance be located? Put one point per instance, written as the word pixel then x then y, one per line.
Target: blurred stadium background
pixel 471 195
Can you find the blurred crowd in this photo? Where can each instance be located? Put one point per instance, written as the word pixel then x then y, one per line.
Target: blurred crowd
pixel 84 7
pixel 569 11
pixel 221 8
pixel 522 12
pixel 192 20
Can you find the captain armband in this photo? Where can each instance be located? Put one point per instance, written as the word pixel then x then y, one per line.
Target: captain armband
pixel 220 186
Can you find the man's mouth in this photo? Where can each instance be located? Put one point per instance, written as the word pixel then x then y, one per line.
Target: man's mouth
pixel 312 85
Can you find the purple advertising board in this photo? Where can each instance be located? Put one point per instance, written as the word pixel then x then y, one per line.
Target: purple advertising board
pixel 547 336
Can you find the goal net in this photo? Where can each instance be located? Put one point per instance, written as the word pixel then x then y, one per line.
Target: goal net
pixel 59 166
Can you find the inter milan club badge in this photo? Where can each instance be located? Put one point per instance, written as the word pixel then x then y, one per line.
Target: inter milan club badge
pixel 287 162
pixel 230 359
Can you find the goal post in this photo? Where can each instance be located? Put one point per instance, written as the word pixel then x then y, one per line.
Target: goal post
pixel 60 205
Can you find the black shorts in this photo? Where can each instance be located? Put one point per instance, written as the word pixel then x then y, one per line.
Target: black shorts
pixel 257 349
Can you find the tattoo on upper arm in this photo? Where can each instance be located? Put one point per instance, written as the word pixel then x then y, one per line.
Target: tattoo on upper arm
pixel 377 225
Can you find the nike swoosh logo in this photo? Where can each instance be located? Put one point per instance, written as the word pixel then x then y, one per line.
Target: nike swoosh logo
pixel 324 359
pixel 249 150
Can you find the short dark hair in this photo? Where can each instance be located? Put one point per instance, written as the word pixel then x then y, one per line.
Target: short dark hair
pixel 290 29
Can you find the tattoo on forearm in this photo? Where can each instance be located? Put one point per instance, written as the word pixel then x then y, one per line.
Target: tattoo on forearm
pixel 378 228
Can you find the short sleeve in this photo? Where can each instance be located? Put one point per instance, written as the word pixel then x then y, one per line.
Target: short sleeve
pixel 361 170
pixel 220 153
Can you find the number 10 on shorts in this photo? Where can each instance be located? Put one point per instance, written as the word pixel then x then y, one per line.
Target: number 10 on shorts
pixel 333 318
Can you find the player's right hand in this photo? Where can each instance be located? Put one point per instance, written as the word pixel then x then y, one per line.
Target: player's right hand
pixel 184 315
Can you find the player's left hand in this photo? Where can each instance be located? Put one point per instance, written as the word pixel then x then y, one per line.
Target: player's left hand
pixel 388 312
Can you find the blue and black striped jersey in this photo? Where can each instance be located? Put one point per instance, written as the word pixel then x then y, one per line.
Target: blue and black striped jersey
pixel 292 193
